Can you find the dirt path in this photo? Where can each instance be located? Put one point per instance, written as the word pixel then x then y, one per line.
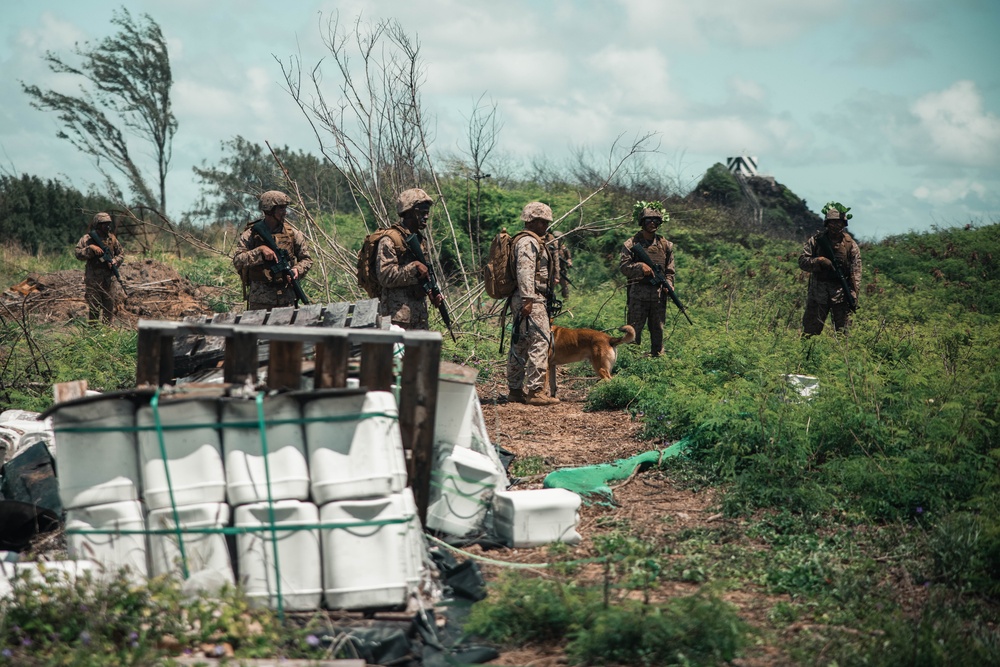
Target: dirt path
pixel 650 504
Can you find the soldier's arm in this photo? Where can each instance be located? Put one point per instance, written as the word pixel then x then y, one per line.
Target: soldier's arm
pixel 82 250
pixel 246 254
pixel 808 259
pixel 389 272
pixel 628 266
pixel 525 261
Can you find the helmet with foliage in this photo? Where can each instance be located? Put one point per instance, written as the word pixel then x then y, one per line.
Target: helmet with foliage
pixel 409 198
pixel 99 218
pixel 834 210
pixel 536 210
pixel 272 198
pixel 649 209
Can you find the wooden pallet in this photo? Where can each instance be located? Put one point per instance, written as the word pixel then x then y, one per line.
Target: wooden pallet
pixel 418 381
pixel 197 352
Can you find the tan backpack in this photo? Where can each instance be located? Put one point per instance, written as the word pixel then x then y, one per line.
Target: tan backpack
pixel 368 255
pixel 498 273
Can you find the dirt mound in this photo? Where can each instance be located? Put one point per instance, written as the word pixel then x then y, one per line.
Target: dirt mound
pixel 156 291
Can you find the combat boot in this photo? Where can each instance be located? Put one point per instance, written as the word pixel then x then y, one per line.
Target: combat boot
pixel 539 397
pixel 516 396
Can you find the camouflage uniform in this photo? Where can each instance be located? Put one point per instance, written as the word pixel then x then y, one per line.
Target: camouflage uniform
pixel 647 303
pixel 529 357
pixel 264 289
pixel 403 300
pixel 826 295
pixel 101 289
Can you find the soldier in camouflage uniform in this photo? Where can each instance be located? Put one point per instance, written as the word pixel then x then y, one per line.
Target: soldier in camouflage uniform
pixel 826 294
pixel 403 300
pixel 647 303
pixel 254 260
pixel 534 267
pixel 101 288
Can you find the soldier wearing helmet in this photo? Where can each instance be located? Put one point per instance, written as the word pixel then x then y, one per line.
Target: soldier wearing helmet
pixel 647 302
pixel 101 289
pixel 401 275
pixel 535 268
pixel 262 288
pixel 826 294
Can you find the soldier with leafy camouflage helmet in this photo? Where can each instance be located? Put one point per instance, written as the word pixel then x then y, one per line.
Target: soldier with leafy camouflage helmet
pixel 535 269
pixel 101 289
pixel 263 288
pixel 647 302
pixel 820 254
pixel 400 274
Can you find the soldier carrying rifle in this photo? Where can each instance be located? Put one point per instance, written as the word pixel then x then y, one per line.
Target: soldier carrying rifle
pixel 649 285
pixel 102 252
pixel 272 257
pixel 833 261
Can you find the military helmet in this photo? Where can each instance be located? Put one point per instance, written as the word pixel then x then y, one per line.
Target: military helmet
pixel 99 218
pixel 272 198
pixel 536 210
pixel 648 212
pixel 835 214
pixel 409 198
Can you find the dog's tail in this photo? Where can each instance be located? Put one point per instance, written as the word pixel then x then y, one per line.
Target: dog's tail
pixel 627 338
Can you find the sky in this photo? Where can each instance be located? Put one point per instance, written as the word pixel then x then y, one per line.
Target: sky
pixel 891 107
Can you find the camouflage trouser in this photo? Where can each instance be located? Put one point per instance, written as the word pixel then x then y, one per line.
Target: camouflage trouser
pixel 405 308
pixel 101 297
pixel 815 314
pixel 646 305
pixel 264 296
pixel 529 357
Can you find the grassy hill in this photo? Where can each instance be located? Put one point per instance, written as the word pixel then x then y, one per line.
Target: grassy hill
pixel 890 469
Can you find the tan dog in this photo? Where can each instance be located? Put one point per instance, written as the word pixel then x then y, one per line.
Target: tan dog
pixel 570 345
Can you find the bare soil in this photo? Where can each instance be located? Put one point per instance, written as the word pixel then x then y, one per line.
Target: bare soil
pixel 649 503
pixel 155 291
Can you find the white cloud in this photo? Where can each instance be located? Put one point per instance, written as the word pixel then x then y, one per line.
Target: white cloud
pixel 956 126
pixel 951 192
pixel 737 22
pixel 52 34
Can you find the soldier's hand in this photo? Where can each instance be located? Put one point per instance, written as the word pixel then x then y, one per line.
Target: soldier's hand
pixel 96 250
pixel 422 272
pixel 824 262
pixel 269 255
pixel 646 271
pixel 437 299
pixel 526 308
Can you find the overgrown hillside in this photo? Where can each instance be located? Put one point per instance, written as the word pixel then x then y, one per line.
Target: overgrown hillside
pixel 890 471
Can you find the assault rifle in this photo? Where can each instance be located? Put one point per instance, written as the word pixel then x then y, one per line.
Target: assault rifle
pixel 827 249
pixel 281 267
pixel 430 284
pixel 107 258
pixel 639 253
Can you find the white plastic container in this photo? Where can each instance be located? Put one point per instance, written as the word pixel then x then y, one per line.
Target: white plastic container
pixel 203 551
pixel 367 563
pixel 455 412
pixel 534 517
pixel 96 467
pixel 19 429
pixel 354 456
pixel 193 454
pixel 56 571
pixel 462 485
pixel 298 566
pixel 109 551
pixel 243 449
pixel 804 385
